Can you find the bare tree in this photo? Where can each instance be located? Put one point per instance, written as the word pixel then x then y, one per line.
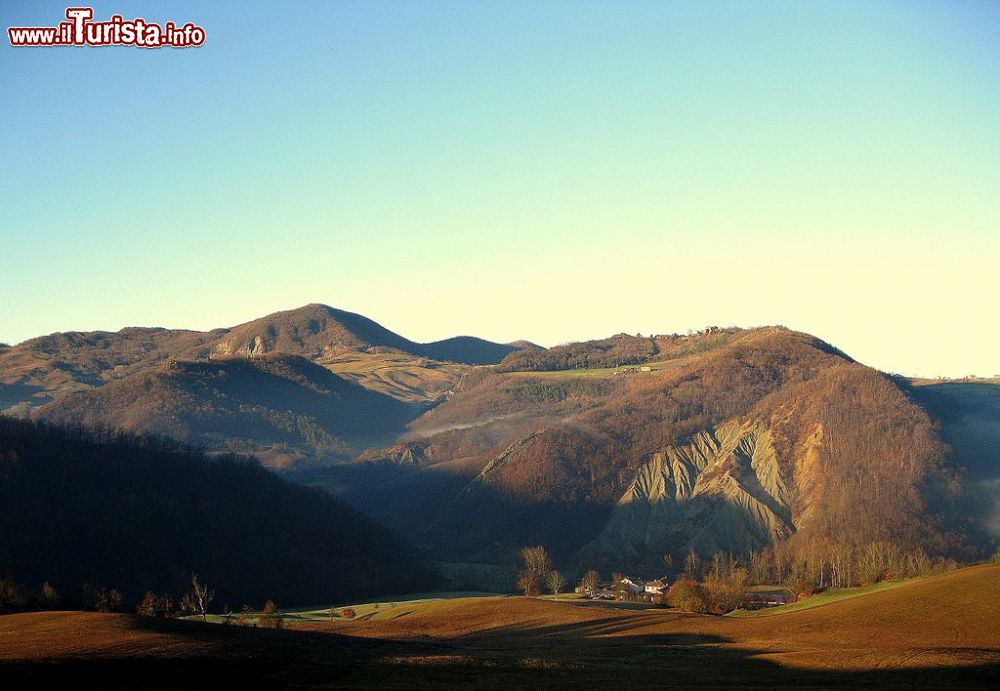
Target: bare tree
pixel 198 600
pixel 692 565
pixel 536 560
pixel 555 581
pixel 537 565
pixel 529 583
pixel 590 582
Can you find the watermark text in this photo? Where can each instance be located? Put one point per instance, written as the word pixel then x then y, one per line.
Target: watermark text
pixel 79 29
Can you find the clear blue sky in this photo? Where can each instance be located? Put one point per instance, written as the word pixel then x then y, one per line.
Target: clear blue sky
pixel 549 170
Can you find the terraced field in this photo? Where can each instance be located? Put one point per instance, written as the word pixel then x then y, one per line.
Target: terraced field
pixel 406 377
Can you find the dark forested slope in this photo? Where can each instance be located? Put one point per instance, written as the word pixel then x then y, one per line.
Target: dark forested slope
pixel 82 508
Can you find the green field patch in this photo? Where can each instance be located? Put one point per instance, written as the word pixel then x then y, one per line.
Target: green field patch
pixel 818 600
pixel 389 608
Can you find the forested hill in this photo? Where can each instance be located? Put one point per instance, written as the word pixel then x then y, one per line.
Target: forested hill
pixel 82 508
pixel 615 453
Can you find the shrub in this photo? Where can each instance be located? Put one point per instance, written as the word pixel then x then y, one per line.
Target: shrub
pixel 48 598
pixel 687 595
pixel 245 615
pixel 13 596
pixel 800 580
pixel 154 605
pixel 148 606
pixel 108 600
pixel 270 618
pixel 725 592
pixel 348 613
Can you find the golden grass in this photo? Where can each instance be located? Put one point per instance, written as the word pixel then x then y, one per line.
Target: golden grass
pixel 405 377
pixel 949 619
pixel 824 598
pixel 937 631
pixel 54 635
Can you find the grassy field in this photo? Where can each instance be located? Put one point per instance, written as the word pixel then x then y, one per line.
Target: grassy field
pixel 824 598
pixel 659 366
pixel 935 632
pixel 406 377
pixel 389 608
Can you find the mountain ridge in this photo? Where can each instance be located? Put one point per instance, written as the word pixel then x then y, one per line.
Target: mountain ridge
pixel 611 452
pixel 282 408
pixel 41 369
pixel 734 442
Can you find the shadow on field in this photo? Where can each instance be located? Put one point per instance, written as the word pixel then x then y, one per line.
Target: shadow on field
pixel 578 655
pixel 201 655
pixel 613 604
pixel 596 654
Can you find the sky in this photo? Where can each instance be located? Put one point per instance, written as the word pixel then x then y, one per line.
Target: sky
pixel 552 171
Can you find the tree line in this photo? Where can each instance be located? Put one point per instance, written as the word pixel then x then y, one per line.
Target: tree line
pixel 722 583
pixel 88 510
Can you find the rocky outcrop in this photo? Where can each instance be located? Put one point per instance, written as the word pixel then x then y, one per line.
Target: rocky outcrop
pixel 717 490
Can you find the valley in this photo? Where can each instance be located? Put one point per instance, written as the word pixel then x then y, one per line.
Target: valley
pixel 937 631
pixel 612 453
pixel 312 456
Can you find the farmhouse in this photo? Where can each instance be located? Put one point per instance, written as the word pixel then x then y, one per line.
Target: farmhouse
pixel 630 587
pixel 770 598
pixel 656 587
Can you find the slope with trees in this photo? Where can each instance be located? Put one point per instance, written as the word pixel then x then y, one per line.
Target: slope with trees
pixel 767 437
pixel 43 369
pixel 90 510
pixel 281 408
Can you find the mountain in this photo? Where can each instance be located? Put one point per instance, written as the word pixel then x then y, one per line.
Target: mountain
pixel 632 448
pixel 612 452
pixel 314 384
pixel 88 510
pixel 282 408
pixel 40 370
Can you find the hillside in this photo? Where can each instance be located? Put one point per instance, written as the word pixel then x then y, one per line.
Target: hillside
pixel 617 351
pixel 734 442
pixel 40 370
pixel 969 415
pixel 79 509
pixel 281 408
pixel 912 627
pixel 612 453
pixel 937 632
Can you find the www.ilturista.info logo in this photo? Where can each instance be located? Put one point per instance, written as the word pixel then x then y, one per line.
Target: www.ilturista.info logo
pixel 81 31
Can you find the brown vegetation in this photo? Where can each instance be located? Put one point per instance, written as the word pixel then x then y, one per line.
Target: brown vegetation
pixel 935 632
pixel 43 369
pixel 270 617
pixel 616 351
pixel 537 569
pixel 687 595
pixel 283 408
pixel 558 452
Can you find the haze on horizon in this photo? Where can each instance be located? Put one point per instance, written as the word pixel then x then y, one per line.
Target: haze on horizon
pixel 546 171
